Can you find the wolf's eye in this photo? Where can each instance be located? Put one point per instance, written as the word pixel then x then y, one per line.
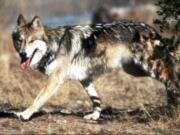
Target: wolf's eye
pixel 19 40
pixel 31 41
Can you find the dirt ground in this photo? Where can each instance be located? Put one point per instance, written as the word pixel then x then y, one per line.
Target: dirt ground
pixel 59 124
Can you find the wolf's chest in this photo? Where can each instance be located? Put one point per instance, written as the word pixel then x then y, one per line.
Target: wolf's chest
pixel 51 67
pixel 76 73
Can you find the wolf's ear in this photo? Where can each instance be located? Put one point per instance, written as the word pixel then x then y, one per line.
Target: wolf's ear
pixel 21 20
pixel 36 23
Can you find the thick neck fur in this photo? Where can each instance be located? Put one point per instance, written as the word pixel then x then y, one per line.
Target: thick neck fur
pixel 52 38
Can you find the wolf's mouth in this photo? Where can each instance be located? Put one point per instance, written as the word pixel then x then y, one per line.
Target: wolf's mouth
pixel 25 61
pixel 25 64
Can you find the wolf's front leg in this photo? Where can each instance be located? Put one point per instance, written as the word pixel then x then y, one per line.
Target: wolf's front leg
pixel 89 86
pixel 53 84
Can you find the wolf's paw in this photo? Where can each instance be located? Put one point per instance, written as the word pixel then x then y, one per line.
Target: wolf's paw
pixel 24 116
pixel 93 116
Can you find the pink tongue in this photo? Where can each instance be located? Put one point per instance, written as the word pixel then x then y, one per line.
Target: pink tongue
pixel 25 64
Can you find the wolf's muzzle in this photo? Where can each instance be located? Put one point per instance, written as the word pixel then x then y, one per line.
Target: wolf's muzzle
pixel 23 56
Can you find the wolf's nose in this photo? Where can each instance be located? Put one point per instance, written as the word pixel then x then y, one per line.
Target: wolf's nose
pixel 23 55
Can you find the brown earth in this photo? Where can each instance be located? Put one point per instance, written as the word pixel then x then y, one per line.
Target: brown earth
pixel 132 105
pixel 58 124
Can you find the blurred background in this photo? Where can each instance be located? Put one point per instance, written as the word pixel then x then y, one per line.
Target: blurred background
pixel 60 12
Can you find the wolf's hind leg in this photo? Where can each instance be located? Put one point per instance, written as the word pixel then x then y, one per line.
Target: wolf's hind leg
pixel 89 87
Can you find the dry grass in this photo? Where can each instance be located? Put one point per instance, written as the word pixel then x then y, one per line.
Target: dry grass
pixel 120 91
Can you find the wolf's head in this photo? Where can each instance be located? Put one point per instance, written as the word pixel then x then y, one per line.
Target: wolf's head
pixel 29 41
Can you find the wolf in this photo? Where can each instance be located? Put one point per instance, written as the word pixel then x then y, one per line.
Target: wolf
pixel 84 53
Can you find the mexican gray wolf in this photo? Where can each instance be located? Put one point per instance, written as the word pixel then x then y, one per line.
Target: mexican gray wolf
pixel 84 53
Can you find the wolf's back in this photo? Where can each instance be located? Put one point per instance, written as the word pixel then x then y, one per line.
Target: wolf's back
pixel 125 31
